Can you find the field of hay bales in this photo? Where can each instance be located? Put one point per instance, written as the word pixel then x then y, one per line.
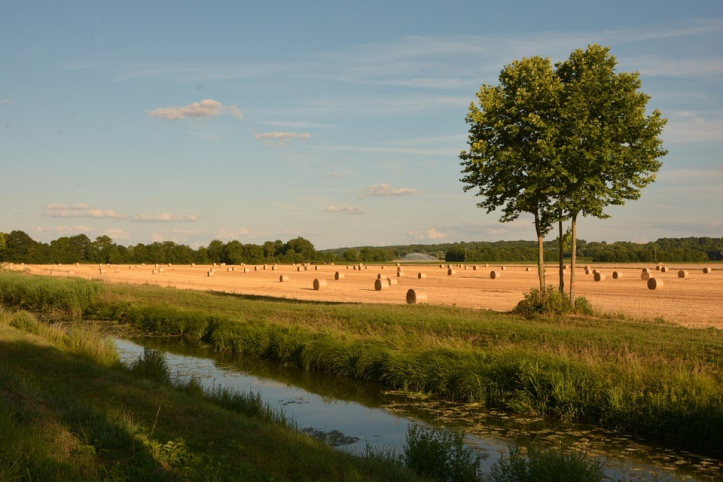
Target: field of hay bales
pixel 695 300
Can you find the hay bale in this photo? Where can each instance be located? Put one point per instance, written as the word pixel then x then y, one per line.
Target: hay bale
pixel 495 274
pixel 306 267
pixel 298 268
pixel 273 268
pixel 193 264
pixel 338 276
pixel 283 278
pixel 657 268
pixel 645 275
pixel 416 297
pixel 441 266
pixel 594 271
pixel 209 274
pixel 655 284
pixel 399 268
pixel 617 274
pixel 101 271
pixel 392 282
pixel 246 270
pixel 502 268
pixel 587 271
pixel 487 265
pixel 117 270
pixel 421 275
pixel 564 266
pixel 527 269
pixel 663 269
pixel 381 267
pixel 474 268
pixel 465 267
pixel 319 284
pixel 450 272
pixel 76 265
pixel 682 274
pixel 400 274
pixel 222 264
pixel 706 270
pixel 599 277
pixel 380 284
pixel 381 276
pixel 316 268
pixel 228 270
pixel 71 272
pixel 646 270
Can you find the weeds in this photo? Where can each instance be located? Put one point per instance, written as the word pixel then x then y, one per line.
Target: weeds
pixel 549 301
pixel 545 464
pixel 440 455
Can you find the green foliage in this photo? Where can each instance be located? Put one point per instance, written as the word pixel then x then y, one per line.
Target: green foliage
pixel 542 465
pixel 152 366
pixel 550 301
pixel 440 455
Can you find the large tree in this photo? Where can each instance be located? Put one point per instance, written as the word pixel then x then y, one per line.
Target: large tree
pixel 512 159
pixel 609 146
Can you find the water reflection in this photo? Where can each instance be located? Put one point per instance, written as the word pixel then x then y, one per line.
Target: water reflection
pixel 352 414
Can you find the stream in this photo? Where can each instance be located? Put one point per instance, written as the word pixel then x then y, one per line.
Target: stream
pixel 351 414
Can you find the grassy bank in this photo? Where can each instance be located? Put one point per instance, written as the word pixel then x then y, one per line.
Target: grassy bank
pixel 657 380
pixel 68 412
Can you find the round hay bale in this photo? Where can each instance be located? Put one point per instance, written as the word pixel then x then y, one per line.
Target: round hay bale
pixel 256 268
pixel 421 275
pixel 316 268
pixel 273 268
pixel 527 269
pixel 474 268
pixel 655 284
pixel 441 266
pixel 663 269
pixel 495 274
pixel 381 267
pixel 392 282
pixel 617 274
pixel 645 276
pixel 706 270
pixel 338 276
pixel 265 267
pixel 398 264
pixel 487 265
pixel 399 268
pixel 306 267
pixel 400 274
pixel 682 274
pixel 465 267
pixel 319 284
pixel 564 266
pixel 381 276
pixel 298 268
pixel 347 267
pixel 502 268
pixel 646 270
pixel 193 264
pixel 416 297
pixel 599 277
pixel 354 268
pixel 246 270
pixel 594 271
pixel 283 278
pixel 450 272
pixel 657 268
pixel 76 265
pixel 380 284
pixel 209 274
pixel 587 271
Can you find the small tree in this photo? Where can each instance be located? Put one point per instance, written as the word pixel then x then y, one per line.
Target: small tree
pixel 512 146
pixel 609 147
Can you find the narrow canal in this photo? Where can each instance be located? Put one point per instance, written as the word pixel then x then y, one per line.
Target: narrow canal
pixel 352 414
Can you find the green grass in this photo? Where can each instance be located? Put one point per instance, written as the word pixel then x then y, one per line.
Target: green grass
pixel 65 417
pixel 645 378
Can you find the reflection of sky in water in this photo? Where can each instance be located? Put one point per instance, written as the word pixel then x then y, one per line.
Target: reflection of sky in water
pixel 374 426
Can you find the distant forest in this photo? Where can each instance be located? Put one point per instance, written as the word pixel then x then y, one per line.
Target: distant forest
pixel 19 247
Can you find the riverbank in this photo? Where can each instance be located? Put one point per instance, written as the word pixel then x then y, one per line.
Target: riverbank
pixel 643 378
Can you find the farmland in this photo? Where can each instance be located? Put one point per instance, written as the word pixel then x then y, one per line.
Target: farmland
pixel 695 301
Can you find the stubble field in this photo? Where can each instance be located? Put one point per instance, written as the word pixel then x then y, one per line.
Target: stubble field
pixel 694 301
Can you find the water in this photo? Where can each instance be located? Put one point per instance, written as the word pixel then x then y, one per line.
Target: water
pixel 352 414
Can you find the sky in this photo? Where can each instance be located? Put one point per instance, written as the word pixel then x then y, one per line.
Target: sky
pixel 341 122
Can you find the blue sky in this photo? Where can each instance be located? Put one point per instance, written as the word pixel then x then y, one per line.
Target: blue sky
pixel 340 122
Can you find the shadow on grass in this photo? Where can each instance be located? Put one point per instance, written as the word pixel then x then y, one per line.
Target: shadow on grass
pixel 291 301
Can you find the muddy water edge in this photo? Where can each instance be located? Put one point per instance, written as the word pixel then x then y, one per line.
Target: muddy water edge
pixel 351 414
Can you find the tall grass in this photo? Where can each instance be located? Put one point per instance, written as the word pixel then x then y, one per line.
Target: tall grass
pixel 646 378
pixel 545 464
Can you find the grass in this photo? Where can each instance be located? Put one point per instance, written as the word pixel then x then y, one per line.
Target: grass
pixel 66 417
pixel 644 378
pixel 549 464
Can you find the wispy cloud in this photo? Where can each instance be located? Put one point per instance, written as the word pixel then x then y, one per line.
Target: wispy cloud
pixel 196 110
pixel 165 218
pixel 694 228
pixel 295 124
pixel 391 150
pixel 115 233
pixel 176 235
pixel 336 175
pixel 244 232
pixel 685 127
pixel 427 234
pixel 64 230
pixel 385 190
pixel 279 139
pixel 345 210
pixel 78 211
pixel 4 101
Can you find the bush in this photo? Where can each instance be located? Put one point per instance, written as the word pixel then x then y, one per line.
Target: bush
pixel 547 464
pixel 549 301
pixel 440 454
pixel 153 366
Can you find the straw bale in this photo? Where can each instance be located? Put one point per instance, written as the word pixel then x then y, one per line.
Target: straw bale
pixel 273 268
pixel 421 275
pixel 319 284
pixel 706 270
pixel 617 274
pixel 599 277
pixel 527 269
pixel 316 268
pixel 655 284
pixel 298 268
pixel 283 278
pixel 645 276
pixel 400 274
pixel 380 284
pixel 663 269
pixel 392 282
pixel 502 268
pixel 450 272
pixel 474 268
pixel 495 274
pixel 682 274
pixel 338 275
pixel 416 297
pixel 209 274
pixel 381 276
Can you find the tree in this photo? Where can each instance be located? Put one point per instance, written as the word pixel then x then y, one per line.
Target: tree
pixel 608 145
pixel 512 146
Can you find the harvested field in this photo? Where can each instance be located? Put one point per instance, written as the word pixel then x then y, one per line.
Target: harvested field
pixel 694 301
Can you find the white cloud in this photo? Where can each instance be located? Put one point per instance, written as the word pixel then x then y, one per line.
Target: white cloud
pixel 427 234
pixel 336 175
pixel 392 150
pixel 196 110
pixel 685 127
pixel 384 190
pixel 244 232
pixel 178 236
pixel 282 135
pixel 64 230
pixel 115 233
pixel 4 101
pixel 295 124
pixel 345 210
pixel 78 211
pixel 165 218
pixel 692 228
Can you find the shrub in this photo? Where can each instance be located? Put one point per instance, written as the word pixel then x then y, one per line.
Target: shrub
pixel 440 454
pixel 549 301
pixel 546 464
pixel 152 366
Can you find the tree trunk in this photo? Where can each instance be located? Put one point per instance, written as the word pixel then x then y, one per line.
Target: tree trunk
pixel 561 249
pixel 540 253
pixel 573 257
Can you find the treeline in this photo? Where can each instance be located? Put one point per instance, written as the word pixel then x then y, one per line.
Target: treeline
pixel 19 247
